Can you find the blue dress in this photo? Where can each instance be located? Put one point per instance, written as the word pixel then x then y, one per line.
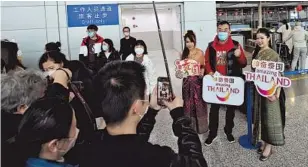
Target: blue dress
pixel 37 162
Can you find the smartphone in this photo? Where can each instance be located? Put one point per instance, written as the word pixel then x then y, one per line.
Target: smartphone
pixel 163 90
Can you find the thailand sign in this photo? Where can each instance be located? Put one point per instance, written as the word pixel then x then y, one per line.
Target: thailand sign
pixel 267 77
pixel 186 67
pixel 225 90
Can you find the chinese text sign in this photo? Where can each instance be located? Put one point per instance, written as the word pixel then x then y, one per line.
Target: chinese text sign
pixel 100 14
pixel 187 67
pixel 223 90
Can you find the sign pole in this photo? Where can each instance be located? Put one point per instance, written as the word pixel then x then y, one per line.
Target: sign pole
pixel 163 48
pixel 246 140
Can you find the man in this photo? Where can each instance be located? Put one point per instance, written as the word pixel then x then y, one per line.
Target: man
pixel 226 57
pixel 127 43
pixel 121 91
pixel 90 48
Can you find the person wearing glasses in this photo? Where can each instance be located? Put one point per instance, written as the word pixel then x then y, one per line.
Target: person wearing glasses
pixel 90 48
pixel 226 57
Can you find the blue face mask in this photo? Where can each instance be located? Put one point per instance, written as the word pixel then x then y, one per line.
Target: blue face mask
pixel 91 34
pixel 222 36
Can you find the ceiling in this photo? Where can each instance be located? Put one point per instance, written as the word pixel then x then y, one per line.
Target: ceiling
pixel 149 6
pixel 249 4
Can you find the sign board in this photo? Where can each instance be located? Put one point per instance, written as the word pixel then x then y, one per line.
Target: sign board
pixel 225 90
pixel 267 77
pixel 187 67
pixel 100 14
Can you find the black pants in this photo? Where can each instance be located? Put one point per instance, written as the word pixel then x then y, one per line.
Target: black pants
pixel 214 119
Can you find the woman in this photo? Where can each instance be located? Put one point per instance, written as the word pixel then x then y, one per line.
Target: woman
pixel 140 55
pixel 46 133
pixel 9 57
pixel 299 37
pixel 194 106
pixel 81 77
pixel 285 29
pixel 109 53
pixel 269 113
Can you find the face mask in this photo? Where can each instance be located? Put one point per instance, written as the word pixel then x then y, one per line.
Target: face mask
pixel 71 144
pixel 222 36
pixel 139 51
pixel 105 47
pixel 91 34
pixel 126 34
pixel 49 73
pixel 145 112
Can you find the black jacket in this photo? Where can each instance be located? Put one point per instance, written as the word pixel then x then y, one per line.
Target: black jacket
pixel 135 150
pixel 234 67
pixel 127 46
pixel 102 59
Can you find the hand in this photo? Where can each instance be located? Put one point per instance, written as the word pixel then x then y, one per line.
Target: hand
pixel 272 98
pixel 177 102
pixel 237 52
pixel 153 101
pixel 211 73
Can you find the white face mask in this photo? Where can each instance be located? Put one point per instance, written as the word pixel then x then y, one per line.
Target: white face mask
pixel 126 34
pixel 105 47
pixel 145 112
pixel 71 143
pixel 49 73
pixel 139 51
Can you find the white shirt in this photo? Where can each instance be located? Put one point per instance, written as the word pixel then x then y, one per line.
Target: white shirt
pixel 285 34
pixel 299 36
pixel 150 73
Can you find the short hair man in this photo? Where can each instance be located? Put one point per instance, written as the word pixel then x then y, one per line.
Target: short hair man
pixel 127 44
pixel 121 91
pixel 225 56
pixel 90 48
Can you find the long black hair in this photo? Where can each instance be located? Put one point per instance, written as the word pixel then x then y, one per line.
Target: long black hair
pixel 285 23
pixel 9 60
pixel 192 37
pixel 142 43
pixel 266 32
pixel 45 120
pixel 111 46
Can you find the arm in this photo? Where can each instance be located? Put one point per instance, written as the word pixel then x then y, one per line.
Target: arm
pixel 242 59
pixel 146 124
pixel 208 68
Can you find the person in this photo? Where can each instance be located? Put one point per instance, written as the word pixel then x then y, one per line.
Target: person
pixel 19 90
pixel 51 61
pixel 90 48
pixel 269 113
pixel 53 46
pixel 140 55
pixel 194 106
pixel 108 54
pixel 225 56
pixel 127 44
pixel 9 57
pixel 130 118
pixel 285 29
pixel 46 133
pixel 299 36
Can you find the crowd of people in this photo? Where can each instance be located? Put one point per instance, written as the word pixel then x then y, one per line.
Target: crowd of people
pixel 50 117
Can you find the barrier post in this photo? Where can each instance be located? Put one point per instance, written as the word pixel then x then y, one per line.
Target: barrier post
pixel 246 140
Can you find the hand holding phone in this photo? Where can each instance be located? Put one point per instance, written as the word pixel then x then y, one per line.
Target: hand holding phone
pixel 163 90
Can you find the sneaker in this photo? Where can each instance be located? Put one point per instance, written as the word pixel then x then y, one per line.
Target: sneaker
pixel 230 138
pixel 210 140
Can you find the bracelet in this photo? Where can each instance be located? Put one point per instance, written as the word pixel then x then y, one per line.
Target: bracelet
pixel 67 75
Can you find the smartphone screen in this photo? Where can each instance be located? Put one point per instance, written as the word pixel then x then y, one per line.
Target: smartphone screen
pixel 163 90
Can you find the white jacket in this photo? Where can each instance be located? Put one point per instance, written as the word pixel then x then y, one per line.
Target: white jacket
pixel 150 73
pixel 299 36
pixel 285 34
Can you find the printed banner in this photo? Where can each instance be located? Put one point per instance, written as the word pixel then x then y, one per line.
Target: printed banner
pixel 225 90
pixel 187 67
pixel 267 77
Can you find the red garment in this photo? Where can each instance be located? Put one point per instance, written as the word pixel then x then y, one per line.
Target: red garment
pixel 99 39
pixel 221 56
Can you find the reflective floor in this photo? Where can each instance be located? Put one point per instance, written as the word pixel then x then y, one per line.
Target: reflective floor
pixel 223 154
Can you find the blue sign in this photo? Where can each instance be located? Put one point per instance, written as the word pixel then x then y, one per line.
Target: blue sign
pixel 100 14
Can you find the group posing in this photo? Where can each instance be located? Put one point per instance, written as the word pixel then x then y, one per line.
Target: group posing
pixel 54 122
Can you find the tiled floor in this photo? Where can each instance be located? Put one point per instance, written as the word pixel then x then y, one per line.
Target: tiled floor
pixel 223 154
